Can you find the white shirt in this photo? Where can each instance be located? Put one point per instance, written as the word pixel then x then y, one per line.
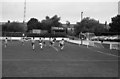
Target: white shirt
pixel 62 42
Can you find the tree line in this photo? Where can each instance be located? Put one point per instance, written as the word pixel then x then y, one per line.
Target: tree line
pixel 33 23
pixel 86 25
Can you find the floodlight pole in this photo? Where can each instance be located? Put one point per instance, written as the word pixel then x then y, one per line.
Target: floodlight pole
pixel 24 12
pixel 80 39
pixel 81 16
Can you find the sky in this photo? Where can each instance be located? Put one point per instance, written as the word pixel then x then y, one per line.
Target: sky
pixel 102 10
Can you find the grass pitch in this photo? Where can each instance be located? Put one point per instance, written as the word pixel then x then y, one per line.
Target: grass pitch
pixel 74 61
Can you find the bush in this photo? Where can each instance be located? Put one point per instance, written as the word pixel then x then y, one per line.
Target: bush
pixel 12 34
pixel 45 35
pixel 14 27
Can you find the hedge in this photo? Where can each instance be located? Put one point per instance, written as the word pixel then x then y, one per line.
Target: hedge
pixel 19 34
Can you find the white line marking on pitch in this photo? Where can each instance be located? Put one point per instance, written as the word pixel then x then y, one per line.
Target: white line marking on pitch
pixel 104 53
pixel 108 54
pixel 54 60
pixel 54 48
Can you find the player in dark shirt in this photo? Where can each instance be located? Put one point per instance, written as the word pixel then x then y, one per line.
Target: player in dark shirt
pixel 33 43
pixel 6 41
pixel 44 43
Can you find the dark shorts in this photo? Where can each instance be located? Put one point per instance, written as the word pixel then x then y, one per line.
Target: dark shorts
pixel 61 45
pixel 5 43
pixel 43 42
pixel 51 43
pixel 40 42
pixel 32 44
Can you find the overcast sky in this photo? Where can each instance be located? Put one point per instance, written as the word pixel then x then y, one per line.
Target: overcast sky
pixel 68 10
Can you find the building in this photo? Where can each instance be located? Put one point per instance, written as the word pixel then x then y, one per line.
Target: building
pixel 58 30
pixel 38 31
pixel 70 30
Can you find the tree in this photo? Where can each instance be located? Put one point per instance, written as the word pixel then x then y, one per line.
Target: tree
pixel 4 27
pixel 48 22
pixel 68 23
pixel 14 27
pixel 45 24
pixel 89 25
pixel 100 28
pixel 38 26
pixel 47 17
pixel 55 21
pixel 115 24
pixel 8 21
pixel 32 24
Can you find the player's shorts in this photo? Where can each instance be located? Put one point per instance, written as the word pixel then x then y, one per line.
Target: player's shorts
pixel 51 43
pixel 40 41
pixel 43 42
pixel 32 44
pixel 61 45
pixel 5 43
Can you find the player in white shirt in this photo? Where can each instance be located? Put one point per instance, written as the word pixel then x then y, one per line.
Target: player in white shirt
pixel 23 38
pixel 23 35
pixel 61 44
pixel 40 43
pixel 54 40
pixel 52 43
